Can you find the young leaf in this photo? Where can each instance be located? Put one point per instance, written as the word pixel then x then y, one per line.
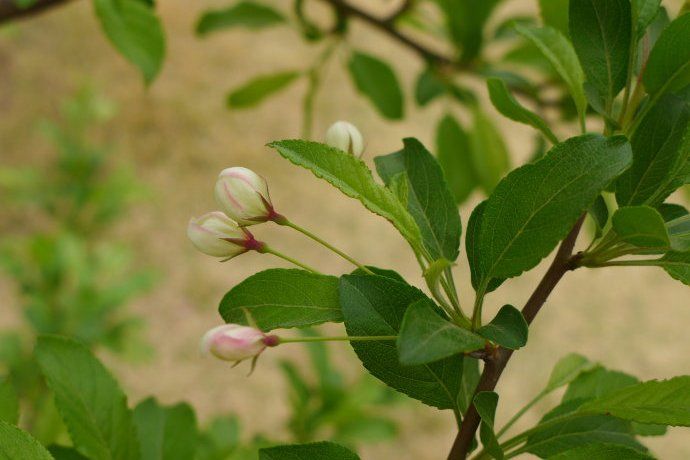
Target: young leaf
pixel 247 14
pixel 16 444
pixel 429 200
pixel 134 29
pixel 602 451
pixel 665 402
pixel 508 329
pixel 641 226
pixel 489 153
pixel 536 205
pixel 354 179
pixel 166 433
pixel 89 400
pixel 426 337
pixel 554 13
pixel 485 402
pixel 376 80
pixel 601 34
pixel 375 306
pixel 566 370
pixel 677 264
pixel 560 53
pixel 505 103
pixel 283 298
pixel 455 157
pixel 259 88
pixel 679 233
pixel 313 451
pixel 9 403
pixel 668 66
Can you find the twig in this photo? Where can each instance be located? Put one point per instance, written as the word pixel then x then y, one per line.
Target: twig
pixel 9 9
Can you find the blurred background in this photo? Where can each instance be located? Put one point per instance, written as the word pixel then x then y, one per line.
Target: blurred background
pixel 99 175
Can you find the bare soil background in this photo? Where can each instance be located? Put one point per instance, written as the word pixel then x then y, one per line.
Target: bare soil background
pixel 178 134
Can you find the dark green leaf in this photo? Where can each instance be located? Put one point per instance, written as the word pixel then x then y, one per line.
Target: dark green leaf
pixel 601 34
pixel 668 66
pixel 375 306
pixel 489 153
pixel 505 103
pixel 376 80
pixel 600 213
pixel 428 87
pixel 466 20
pixel 679 233
pixel 597 383
pixel 508 329
pixel 671 211
pixel 429 200
pixel 392 274
pixel 455 156
pixel 485 402
pixel 640 226
pixel 677 264
pixel 243 14
pixel 136 32
pixel 9 403
pixel 602 452
pixel 426 337
pixel 16 444
pixel 554 13
pixel 259 88
pixel 283 298
pixel 472 248
pixel 314 451
pixel 166 433
pixel 468 383
pixel 89 400
pixel 536 205
pixel 65 453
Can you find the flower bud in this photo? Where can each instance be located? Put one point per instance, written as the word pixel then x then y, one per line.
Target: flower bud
pixel 243 195
pixel 217 235
pixel 232 342
pixel 346 137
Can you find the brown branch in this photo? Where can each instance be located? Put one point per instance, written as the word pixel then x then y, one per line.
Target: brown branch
pixel 563 262
pixel 9 10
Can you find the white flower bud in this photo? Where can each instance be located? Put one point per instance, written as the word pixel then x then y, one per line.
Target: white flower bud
pixel 346 137
pixel 243 195
pixel 232 342
pixel 217 235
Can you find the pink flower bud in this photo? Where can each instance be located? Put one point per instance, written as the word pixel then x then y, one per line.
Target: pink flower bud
pixel 346 137
pixel 217 235
pixel 232 342
pixel 244 197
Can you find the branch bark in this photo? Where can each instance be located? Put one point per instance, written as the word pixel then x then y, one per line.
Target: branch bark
pixel 563 262
pixel 9 10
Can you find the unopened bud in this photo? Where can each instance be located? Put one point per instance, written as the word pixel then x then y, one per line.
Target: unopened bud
pixel 217 235
pixel 232 342
pixel 346 137
pixel 244 197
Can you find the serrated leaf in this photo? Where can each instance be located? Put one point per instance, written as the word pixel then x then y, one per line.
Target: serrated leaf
pixel 640 226
pixel 508 329
pixel 679 233
pixel 16 444
pixel 313 451
pixel 455 157
pixel 509 107
pixel 489 152
pixel 668 66
pixel 429 200
pixel 283 298
pixel 566 370
pixel 354 179
pixel 247 14
pixel 166 433
pixel 9 403
pixel 426 337
pixel 485 402
pixel 376 80
pixel 602 452
pixel 134 29
pixel 89 400
pixel 259 88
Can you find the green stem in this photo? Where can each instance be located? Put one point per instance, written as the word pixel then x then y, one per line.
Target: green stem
pixel 268 250
pixel 363 338
pixel 478 303
pixel 630 263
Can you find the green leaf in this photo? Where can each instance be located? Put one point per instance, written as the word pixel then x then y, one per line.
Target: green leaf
pixel 536 205
pixel 166 433
pixel 671 211
pixel 9 403
pixel 426 337
pixel 89 400
pixel 596 383
pixel 134 29
pixel 429 200
pixel 645 11
pixel 428 87
pixel 377 82
pixel 554 13
pixel 375 306
pixel 455 157
pixel 485 402
pixel 660 154
pixel 65 453
pixel 566 370
pixel 283 298
pixel 561 54
pixel 668 66
pixel 466 20
pixel 259 88
pixel 468 382
pixel 677 264
pixel 665 402
pixel 505 103
pixel 313 451
pixel 354 179
pixel 474 226
pixel 251 15
pixel 601 34
pixel 16 444
pixel 602 452
pixel 679 233
pixel 508 329
pixel 641 226
pixel 489 153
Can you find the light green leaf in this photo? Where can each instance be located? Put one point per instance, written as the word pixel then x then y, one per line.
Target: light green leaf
pixel 641 226
pixel 259 88
pixel 596 383
pixel 376 80
pixel 489 153
pixel 465 20
pixel 166 433
pixel 679 232
pixel 134 29
pixel 455 156
pixel 566 370
pixel 9 403
pixel 426 337
pixel 16 444
pixel 677 264
pixel 354 179
pixel 283 298
pixel 314 451
pixel 485 402
pixel 668 66
pixel 554 13
pixel 251 15
pixel 505 103
pixel 602 452
pixel 508 329
pixel 89 400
